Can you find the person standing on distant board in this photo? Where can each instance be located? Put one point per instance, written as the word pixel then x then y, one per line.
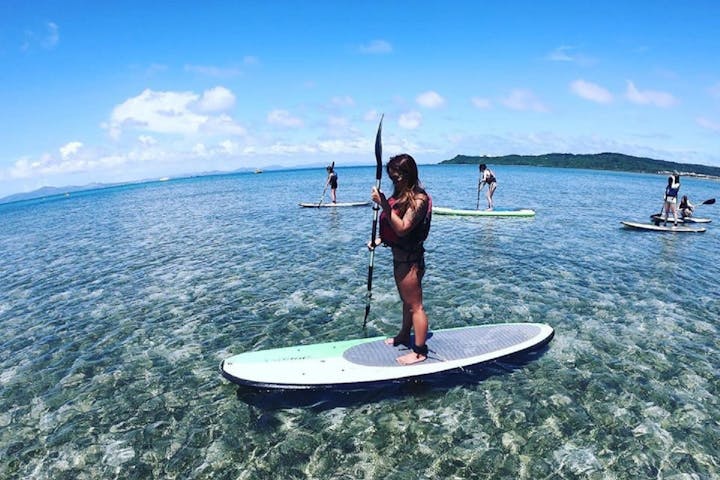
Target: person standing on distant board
pixel 332 180
pixel 404 226
pixel 671 194
pixel 487 177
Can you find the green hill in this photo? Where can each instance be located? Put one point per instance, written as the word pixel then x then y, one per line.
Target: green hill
pixel 596 161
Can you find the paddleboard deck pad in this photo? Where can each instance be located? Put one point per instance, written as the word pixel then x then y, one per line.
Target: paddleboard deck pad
pixel 334 205
pixel 657 219
pixel 498 212
pixel 660 228
pixel 365 362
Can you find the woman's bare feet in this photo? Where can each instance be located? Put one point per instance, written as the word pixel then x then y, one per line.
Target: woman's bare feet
pixel 411 357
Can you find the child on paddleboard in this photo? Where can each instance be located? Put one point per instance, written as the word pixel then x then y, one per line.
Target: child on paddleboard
pixel 404 226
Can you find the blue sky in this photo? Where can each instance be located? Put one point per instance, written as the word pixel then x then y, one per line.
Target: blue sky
pixel 117 91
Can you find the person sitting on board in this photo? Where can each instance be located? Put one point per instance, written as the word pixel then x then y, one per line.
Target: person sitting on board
pixel 332 180
pixel 671 193
pixel 686 208
pixel 487 177
pixel 404 226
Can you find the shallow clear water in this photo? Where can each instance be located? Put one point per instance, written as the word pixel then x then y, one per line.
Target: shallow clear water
pixel 117 306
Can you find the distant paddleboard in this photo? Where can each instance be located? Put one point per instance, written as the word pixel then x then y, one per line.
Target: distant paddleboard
pixel 498 212
pixel 334 205
pixel 355 364
pixel 659 228
pixel 661 218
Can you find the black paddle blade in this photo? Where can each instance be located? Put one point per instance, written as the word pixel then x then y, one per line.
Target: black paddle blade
pixel 708 202
pixel 378 149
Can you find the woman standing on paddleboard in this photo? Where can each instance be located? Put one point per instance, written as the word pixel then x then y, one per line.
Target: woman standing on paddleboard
pixel 487 177
pixel 332 180
pixel 671 194
pixel 404 226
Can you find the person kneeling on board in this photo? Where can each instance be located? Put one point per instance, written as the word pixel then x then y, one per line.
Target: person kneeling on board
pixel 404 226
pixel 686 208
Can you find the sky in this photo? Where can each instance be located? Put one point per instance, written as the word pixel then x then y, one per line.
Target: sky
pixel 120 91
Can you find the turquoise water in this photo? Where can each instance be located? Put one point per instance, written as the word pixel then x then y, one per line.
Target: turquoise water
pixel 117 306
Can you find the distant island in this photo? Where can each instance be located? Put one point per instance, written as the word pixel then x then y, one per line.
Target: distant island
pixel 595 161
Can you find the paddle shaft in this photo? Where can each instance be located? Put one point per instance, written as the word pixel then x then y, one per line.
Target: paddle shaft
pixel 376 211
pixel 480 187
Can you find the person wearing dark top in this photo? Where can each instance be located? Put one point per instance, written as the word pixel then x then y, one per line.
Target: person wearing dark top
pixel 404 226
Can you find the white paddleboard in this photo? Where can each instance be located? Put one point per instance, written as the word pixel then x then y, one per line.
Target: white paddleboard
pixel 334 205
pixel 354 364
pixel 498 212
pixel 661 219
pixel 660 228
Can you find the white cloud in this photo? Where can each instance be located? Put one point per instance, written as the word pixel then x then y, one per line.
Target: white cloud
pixel 174 113
pixel 222 125
pixel 147 140
pixel 70 149
pixel 161 112
pixel 410 120
pixel 200 150
pixel 708 124
pixel 52 36
pixel 216 99
pixel 569 54
pixel 591 91
pixel 47 164
pixel 430 99
pixel 481 103
pixel 229 147
pixel 560 54
pixel 649 97
pixel 371 116
pixel 521 99
pixel 283 118
pixel 48 39
pixel 376 47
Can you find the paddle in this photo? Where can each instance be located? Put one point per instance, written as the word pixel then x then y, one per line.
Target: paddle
pixel 481 185
pixel 376 209
pixel 322 198
pixel 709 201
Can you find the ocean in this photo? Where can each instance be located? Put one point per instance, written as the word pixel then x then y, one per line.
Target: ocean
pixel 118 305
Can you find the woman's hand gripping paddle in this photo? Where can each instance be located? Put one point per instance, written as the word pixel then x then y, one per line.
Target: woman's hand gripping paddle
pixel 376 209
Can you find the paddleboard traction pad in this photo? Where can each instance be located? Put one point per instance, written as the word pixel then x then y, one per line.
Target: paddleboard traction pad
pixel 450 345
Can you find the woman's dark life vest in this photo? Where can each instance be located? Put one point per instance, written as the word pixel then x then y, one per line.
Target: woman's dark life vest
pixel 414 239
